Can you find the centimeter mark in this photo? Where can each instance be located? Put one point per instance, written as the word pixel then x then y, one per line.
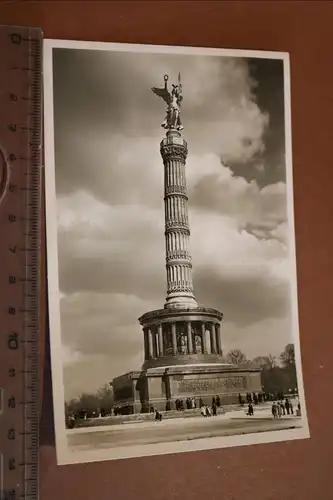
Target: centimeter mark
pixel 26 51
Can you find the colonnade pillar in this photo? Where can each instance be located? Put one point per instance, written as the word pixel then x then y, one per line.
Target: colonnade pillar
pixel 189 338
pixel 160 340
pixel 174 339
pixel 212 333
pixel 146 344
pixel 150 344
pixel 218 339
pixel 203 337
pixel 154 342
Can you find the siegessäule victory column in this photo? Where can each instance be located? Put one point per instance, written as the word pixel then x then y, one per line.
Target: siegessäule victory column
pixel 177 232
pixel 183 356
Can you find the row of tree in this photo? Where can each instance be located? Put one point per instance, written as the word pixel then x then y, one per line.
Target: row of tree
pixel 278 375
pixel 102 399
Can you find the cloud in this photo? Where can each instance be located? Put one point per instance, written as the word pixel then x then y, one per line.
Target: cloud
pixel 120 249
pixel 102 338
pixel 214 187
pixel 111 333
pixel 70 356
pixel 262 338
pixel 106 110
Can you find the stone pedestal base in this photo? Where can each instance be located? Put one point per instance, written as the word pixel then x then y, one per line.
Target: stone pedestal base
pixel 160 388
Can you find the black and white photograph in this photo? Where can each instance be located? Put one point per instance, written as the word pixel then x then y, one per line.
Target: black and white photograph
pixel 171 254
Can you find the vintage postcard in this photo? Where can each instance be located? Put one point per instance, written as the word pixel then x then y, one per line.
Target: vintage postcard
pixel 171 250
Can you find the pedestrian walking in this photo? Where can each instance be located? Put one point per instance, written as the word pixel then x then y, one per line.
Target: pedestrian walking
pixel 287 406
pixel 214 409
pixel 291 408
pixel 158 416
pixel 279 410
pixel 250 410
pixel 282 408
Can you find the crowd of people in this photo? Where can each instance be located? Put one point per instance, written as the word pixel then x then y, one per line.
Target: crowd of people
pixel 207 411
pixel 258 398
pixel 281 406
pixel 191 403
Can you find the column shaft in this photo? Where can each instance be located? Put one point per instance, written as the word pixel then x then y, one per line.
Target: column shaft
pixel 155 347
pixel 150 342
pixel 203 336
pixel 146 343
pixel 218 338
pixel 174 338
pixel 160 339
pixel 212 339
pixel 178 259
pixel 189 338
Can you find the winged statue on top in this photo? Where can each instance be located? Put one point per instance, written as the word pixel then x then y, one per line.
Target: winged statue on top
pixel 173 99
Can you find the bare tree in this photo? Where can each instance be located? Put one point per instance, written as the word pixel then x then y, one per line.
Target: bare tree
pixel 265 362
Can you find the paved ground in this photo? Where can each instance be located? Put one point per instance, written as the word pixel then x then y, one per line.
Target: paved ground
pixel 234 423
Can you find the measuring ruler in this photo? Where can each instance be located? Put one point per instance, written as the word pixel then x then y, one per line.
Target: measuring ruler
pixel 20 258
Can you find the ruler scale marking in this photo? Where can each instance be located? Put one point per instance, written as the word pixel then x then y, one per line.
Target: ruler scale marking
pixel 20 217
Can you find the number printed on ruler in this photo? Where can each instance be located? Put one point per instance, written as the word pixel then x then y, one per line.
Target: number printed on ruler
pixel 20 189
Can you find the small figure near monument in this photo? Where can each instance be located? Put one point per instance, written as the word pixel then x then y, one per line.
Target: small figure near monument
pixel 279 409
pixel 250 410
pixel 287 406
pixel 158 416
pixel 291 408
pixel 283 410
pixel 214 408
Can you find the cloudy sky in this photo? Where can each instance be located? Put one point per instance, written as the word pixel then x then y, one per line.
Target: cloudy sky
pixel 109 180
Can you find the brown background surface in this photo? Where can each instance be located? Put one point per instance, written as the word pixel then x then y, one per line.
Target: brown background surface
pixel 292 470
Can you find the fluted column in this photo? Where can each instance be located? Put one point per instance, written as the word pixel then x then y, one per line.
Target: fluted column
pixel 146 343
pixel 160 340
pixel 177 232
pixel 174 338
pixel 203 336
pixel 212 333
pixel 154 339
pixel 189 338
pixel 150 343
pixel 218 338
